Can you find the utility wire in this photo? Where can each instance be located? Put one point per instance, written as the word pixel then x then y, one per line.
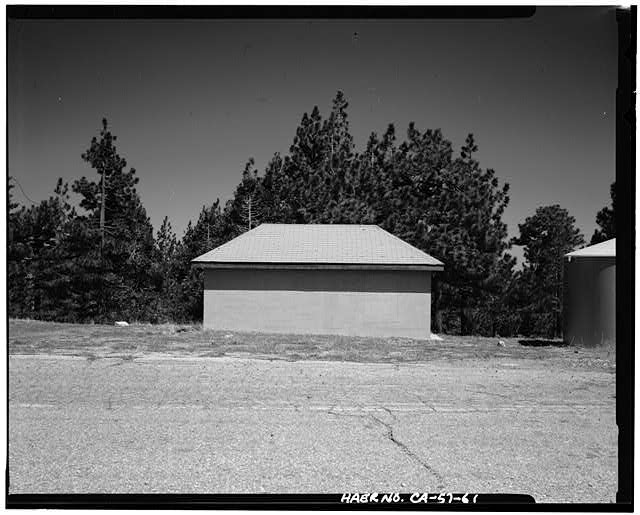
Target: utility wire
pixel 21 189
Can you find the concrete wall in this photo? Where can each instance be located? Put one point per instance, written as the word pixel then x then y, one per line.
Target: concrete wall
pixel 590 301
pixel 348 302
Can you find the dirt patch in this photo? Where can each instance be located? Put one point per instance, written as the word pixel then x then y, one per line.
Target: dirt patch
pixel 34 337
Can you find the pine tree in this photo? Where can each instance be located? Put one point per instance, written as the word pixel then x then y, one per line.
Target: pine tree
pixel 19 256
pixel 546 237
pixel 305 169
pixel 333 175
pixel 118 234
pixel 245 209
pixel 164 271
pixel 452 209
pixel 276 206
pixel 37 261
pixel 166 243
pixel 52 264
pixel 212 229
pixel 606 219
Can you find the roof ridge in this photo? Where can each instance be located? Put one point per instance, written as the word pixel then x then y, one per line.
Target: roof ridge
pixel 413 247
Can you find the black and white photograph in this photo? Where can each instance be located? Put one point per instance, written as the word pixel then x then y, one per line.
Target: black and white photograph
pixel 283 252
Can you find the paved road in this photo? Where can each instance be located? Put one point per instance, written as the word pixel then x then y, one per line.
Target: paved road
pixel 224 425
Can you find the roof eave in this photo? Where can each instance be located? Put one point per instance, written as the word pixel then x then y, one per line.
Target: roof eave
pixel 588 256
pixel 317 266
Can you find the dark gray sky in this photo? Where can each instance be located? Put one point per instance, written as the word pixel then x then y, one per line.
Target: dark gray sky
pixel 191 101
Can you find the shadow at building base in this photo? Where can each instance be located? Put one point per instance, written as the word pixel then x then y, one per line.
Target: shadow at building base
pixel 542 342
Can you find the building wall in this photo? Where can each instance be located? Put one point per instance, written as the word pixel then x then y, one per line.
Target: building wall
pixel 348 302
pixel 590 301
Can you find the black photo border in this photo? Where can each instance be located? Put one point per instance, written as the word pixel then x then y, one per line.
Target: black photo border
pixel 625 294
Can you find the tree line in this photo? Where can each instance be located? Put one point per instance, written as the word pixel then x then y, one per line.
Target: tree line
pixel 101 261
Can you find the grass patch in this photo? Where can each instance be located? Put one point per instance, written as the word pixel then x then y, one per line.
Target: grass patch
pixel 34 337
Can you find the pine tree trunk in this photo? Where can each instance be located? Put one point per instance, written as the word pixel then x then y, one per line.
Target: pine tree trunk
pixel 466 320
pixel 102 219
pixel 102 202
pixel 494 315
pixel 438 321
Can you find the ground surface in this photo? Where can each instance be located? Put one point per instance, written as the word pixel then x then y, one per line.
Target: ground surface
pixel 176 409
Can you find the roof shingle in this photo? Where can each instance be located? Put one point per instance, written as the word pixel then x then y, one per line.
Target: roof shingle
pixel 329 244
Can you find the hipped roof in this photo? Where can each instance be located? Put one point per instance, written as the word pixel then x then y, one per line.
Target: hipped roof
pixel 310 245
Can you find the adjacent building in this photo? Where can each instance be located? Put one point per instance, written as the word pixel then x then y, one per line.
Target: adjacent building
pixel 319 279
pixel 590 295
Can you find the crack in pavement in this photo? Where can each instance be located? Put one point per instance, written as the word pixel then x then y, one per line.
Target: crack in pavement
pixel 403 447
pixel 389 435
pixel 391 413
pixel 424 402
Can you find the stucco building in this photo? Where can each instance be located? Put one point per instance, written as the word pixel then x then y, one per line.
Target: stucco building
pixel 590 295
pixel 319 279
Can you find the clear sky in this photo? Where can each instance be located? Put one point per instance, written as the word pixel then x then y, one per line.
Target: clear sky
pixel 191 101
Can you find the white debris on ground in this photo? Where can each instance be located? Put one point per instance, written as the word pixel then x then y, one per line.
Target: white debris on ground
pixel 501 343
pixel 435 337
pixel 228 336
pixel 121 323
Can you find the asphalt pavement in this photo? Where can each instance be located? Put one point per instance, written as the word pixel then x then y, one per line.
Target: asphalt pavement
pixel 168 424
